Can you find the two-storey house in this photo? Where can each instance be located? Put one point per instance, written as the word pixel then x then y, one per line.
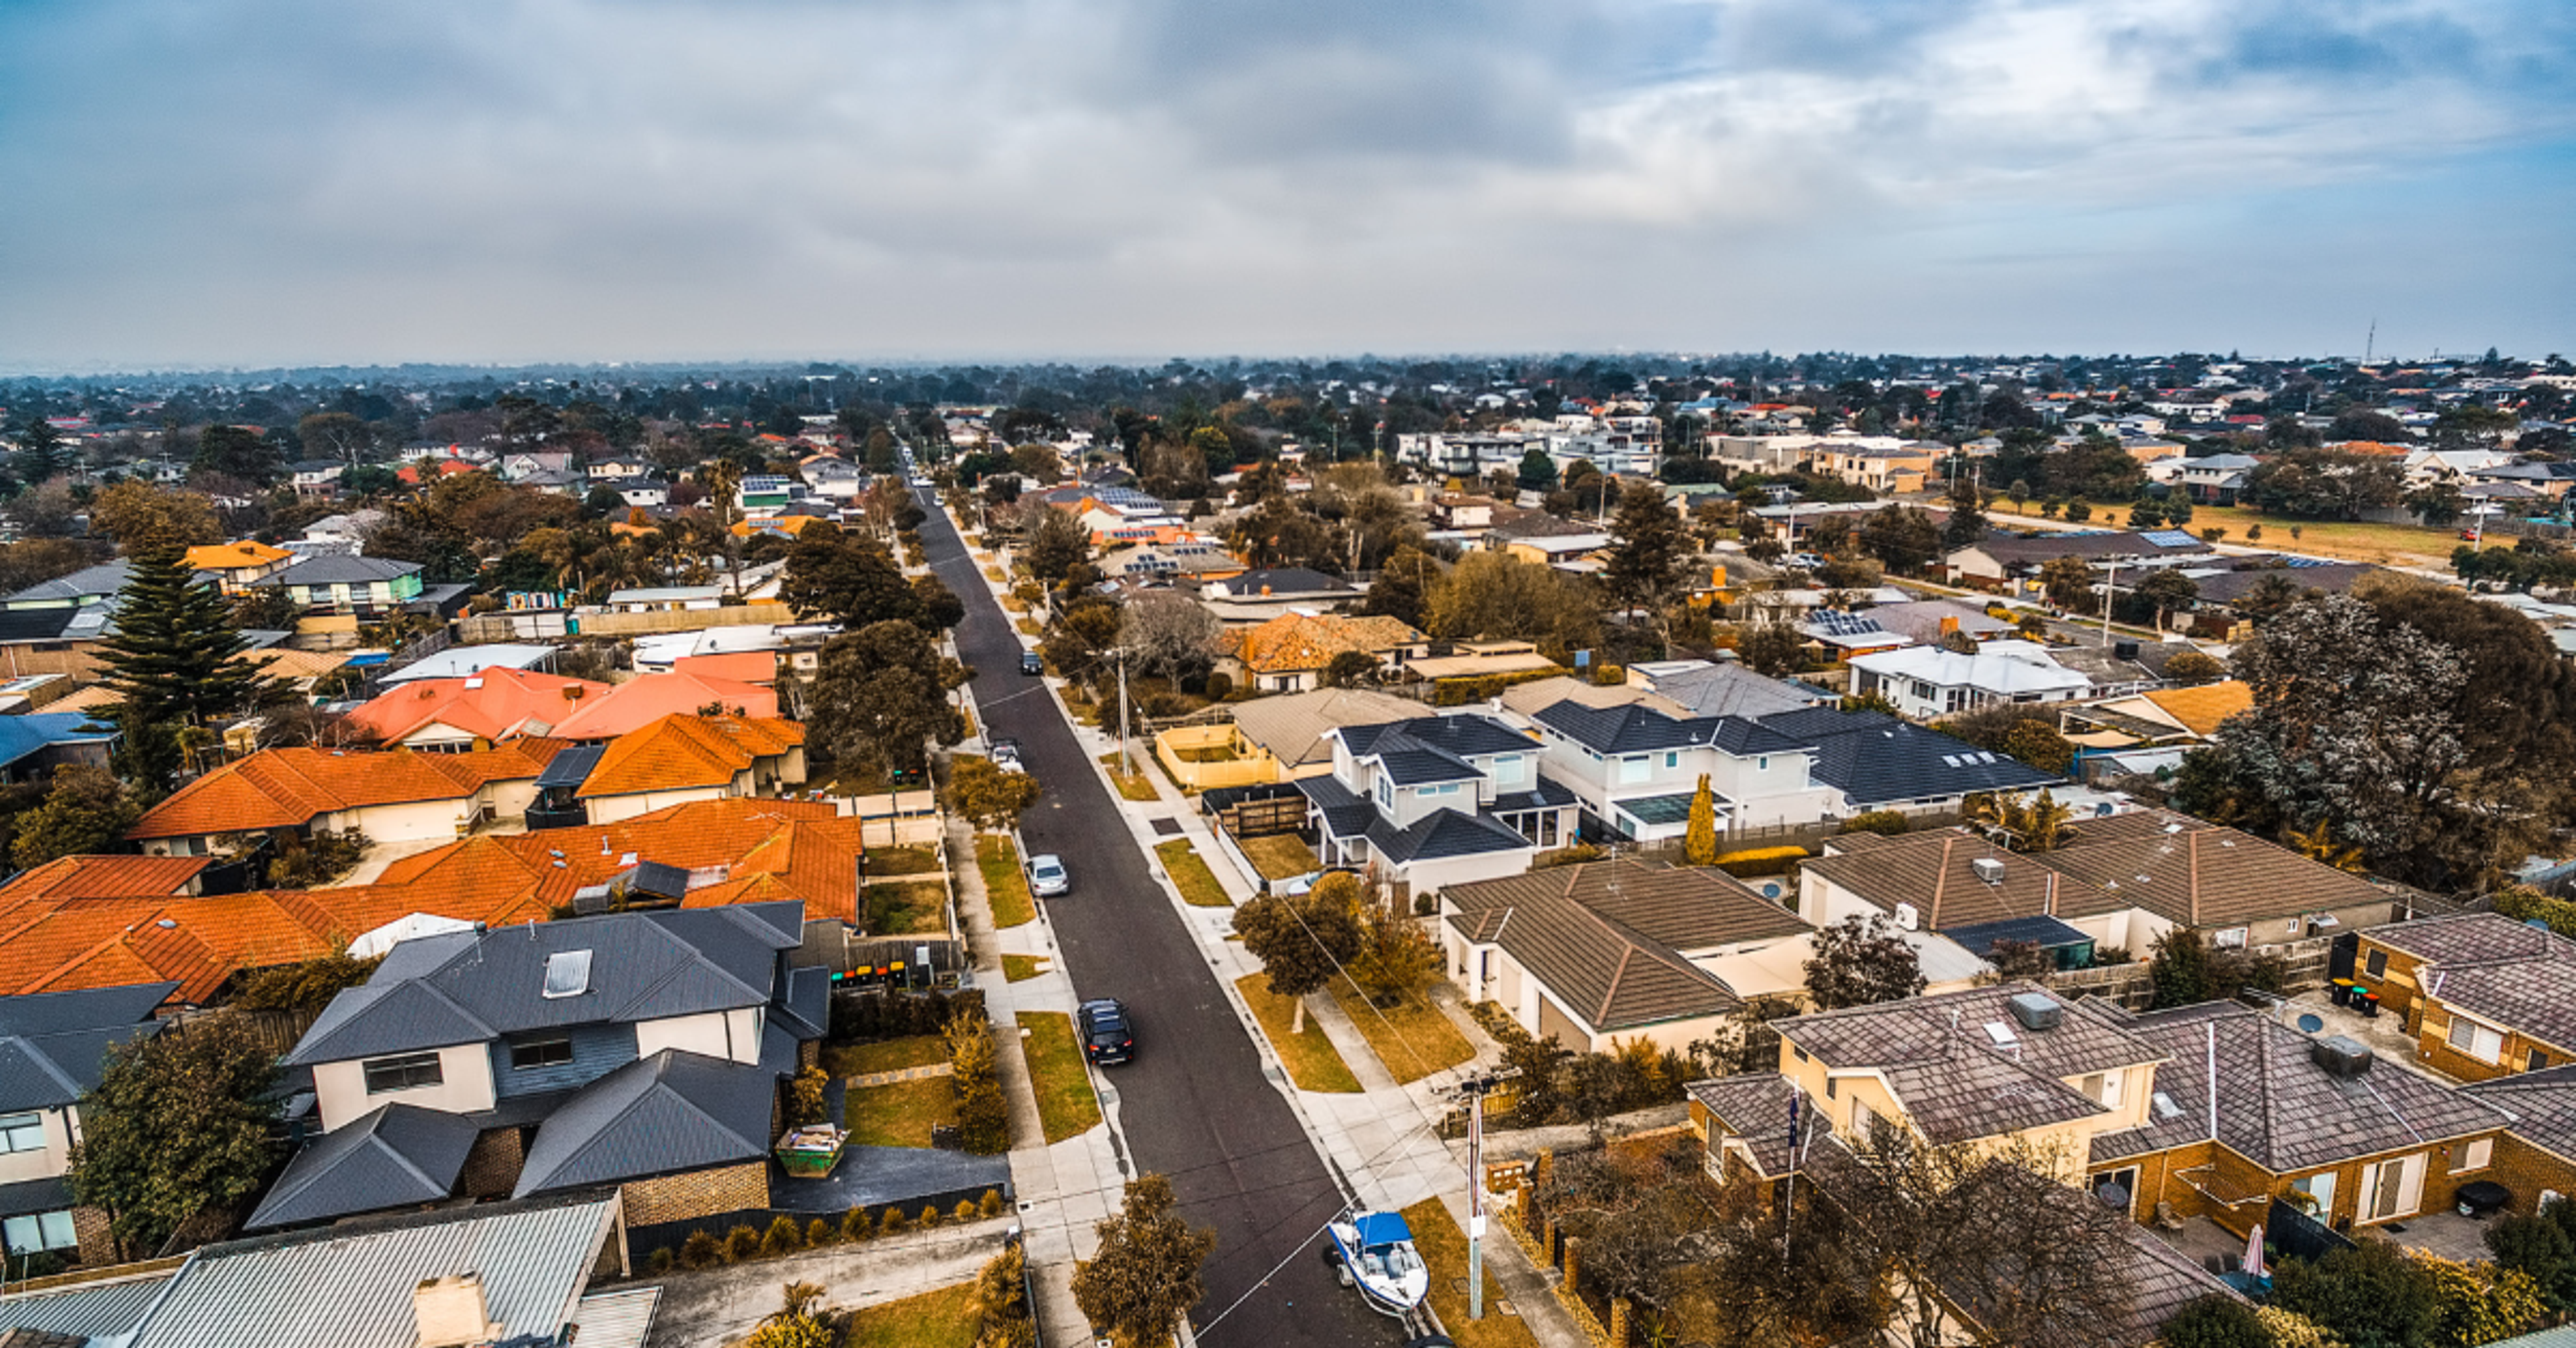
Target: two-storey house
pixel 54 1049
pixel 1435 800
pixel 640 1051
pixel 1635 769
pixel 367 588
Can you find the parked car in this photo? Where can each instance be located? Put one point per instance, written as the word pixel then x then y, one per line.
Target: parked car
pixel 1031 663
pixel 1048 878
pixel 1108 1037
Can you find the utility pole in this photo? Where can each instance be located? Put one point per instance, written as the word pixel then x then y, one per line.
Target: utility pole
pixel 1474 1089
pixel 1126 763
pixel 2110 587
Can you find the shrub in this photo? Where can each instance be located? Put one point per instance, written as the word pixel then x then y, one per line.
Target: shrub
pixel 929 1216
pixel 661 1262
pixel 806 1098
pixel 856 1227
pixel 1885 823
pixel 820 1232
pixel 895 1223
pixel 991 1206
pixel 1753 861
pixel 700 1251
pixel 783 1237
pixel 966 1211
pixel 741 1243
pixel 1575 855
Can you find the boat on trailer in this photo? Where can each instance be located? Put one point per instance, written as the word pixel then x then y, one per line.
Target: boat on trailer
pixel 1373 1251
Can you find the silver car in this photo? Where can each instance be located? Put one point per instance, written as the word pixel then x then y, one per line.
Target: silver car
pixel 1047 876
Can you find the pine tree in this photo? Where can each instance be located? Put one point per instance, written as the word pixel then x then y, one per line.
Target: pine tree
pixel 1651 550
pixel 176 659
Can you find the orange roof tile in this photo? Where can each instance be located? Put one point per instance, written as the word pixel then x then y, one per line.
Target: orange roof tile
pixel 288 788
pixel 760 667
pixel 680 752
pixel 1296 641
pixel 2201 709
pixel 103 877
pixel 496 704
pixel 633 705
pixel 249 552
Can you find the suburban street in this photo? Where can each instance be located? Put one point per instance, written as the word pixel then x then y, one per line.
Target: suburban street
pixel 1194 1104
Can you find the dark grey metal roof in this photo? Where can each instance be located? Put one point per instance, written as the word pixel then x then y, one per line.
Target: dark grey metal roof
pixel 334 569
pixel 53 1046
pixel 571 767
pixel 103 579
pixel 1630 728
pixel 399 1156
pixel 644 966
pixel 1875 759
pixel 1416 767
pixel 358 1277
pixel 1282 581
pixel 1465 734
pixel 1345 815
pixel 83 1009
pixel 2045 932
pixel 670 1112
pixel 1441 834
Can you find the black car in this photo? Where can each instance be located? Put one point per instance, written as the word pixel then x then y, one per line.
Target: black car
pixel 1108 1039
pixel 1031 664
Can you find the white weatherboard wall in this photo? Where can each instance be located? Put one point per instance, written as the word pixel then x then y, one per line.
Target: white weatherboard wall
pixel 52 1160
pixel 340 1088
pixel 715 1034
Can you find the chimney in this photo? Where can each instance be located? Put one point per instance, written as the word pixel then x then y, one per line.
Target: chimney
pixel 449 1312
pixel 1949 625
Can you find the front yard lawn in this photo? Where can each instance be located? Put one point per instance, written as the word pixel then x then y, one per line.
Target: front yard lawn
pixel 884 862
pixel 910 909
pixel 1412 1038
pixel 1021 968
pixel 1190 874
pixel 899 1115
pixel 886 1055
pixel 1006 889
pixel 1443 1248
pixel 1310 1058
pixel 946 1318
pixel 1280 856
pixel 1066 1105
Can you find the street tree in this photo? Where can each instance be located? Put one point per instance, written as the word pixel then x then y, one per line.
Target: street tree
pixel 1902 538
pixel 1394 958
pixel 848 578
pixel 2167 593
pixel 1145 1275
pixel 338 436
pixel 1491 596
pixel 179 1123
pixel 1056 544
pixel 2068 582
pixel 1859 962
pixel 987 795
pixel 1169 634
pixel 176 662
pixel 1648 553
pixel 235 452
pixel 142 517
pixel 1302 940
pixel 1966 524
pixel 881 697
pixel 1082 638
pixel 86 810
pixel 1774 649
pixel 1537 471
pixel 1403 586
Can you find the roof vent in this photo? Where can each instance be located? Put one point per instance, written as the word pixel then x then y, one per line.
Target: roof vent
pixel 2002 1034
pixel 2341 1055
pixel 475 682
pixel 2165 1106
pixel 166 924
pixel 2036 1010
pixel 567 973
pixel 1988 869
pixel 1907 919
pixel 447 1312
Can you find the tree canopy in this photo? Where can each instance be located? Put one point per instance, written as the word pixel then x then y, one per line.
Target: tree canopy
pixel 179 1123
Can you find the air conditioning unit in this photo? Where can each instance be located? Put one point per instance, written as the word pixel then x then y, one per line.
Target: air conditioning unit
pixel 1988 869
pixel 1907 918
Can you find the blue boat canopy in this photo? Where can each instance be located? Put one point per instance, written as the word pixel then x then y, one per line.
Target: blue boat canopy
pixel 1381 1228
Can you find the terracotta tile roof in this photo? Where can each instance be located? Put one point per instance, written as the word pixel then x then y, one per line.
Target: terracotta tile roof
pixel 680 752
pixel 102 877
pixel 805 844
pixel 760 667
pixel 288 788
pixel 1300 641
pixel 234 556
pixel 2201 709
pixel 496 704
pixel 633 705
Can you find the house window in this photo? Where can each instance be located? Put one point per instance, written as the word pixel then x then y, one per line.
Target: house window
pixel 2474 1156
pixel 411 1071
pixel 1634 768
pixel 2378 963
pixel 1829 1088
pixel 1507 769
pixel 1385 792
pixel 2535 1061
pixel 22 1132
pixel 1761 765
pixel 2232 938
pixel 541 1053
pixel 2478 1041
pixel 1672 760
pixel 2315 1194
pixel 46 1231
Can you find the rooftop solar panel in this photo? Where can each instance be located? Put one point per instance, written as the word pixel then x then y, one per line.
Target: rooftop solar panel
pixel 2169 538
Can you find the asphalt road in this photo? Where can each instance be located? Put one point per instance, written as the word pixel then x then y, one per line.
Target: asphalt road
pixel 1194 1104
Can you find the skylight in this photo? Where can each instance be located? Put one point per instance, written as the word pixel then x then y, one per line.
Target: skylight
pixel 567 973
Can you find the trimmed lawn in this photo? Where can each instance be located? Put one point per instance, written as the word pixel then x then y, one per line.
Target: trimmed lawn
pixel 947 1318
pixel 1280 856
pixel 899 1115
pixel 890 861
pixel 1310 1059
pixel 1190 874
pixel 1065 1102
pixel 2333 538
pixel 1005 888
pixel 858 1060
pixel 1132 785
pixel 1412 1039
pixel 1029 628
pixel 906 909
pixel 993 574
pixel 1443 1248
pixel 1021 968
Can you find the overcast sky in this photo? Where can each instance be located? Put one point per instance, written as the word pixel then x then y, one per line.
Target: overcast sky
pixel 228 182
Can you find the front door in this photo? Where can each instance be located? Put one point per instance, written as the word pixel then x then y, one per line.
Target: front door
pixel 2392 1188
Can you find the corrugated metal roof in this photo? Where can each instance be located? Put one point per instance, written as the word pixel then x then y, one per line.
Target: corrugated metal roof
pixel 617 1319
pixel 534 1260
pixel 90 1310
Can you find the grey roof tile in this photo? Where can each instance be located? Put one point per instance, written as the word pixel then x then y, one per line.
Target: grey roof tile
pixel 397 1156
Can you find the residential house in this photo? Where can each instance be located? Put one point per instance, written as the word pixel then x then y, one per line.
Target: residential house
pixel 2122 880
pixel 1289 653
pixel 465 662
pixel 1545 539
pixel 636 1050
pixel 34 744
pixel 1469 662
pixel 316 477
pixel 1928 621
pixel 1274 739
pixel 396 796
pixel 637 703
pixel 2535 1159
pixel 2215 479
pixel 2483 995
pixel 476 711
pixel 643 494
pixel 1274 592
pixel 1884 464
pixel 1721 688
pixel 58 639
pixel 2006 561
pixel 759 668
pixel 613 469
pixel 684 757
pixel 359 588
pixel 236 567
pixel 91 585
pixel 762 494
pixel 1928 682
pixel 2150 731
pixel 665 598
pixel 1635 770
pixel 522 465
pixel 57 1044
pixel 833 477
pixel 1434 801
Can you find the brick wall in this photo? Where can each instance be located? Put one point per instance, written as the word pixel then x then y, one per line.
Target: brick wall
pixel 97 1243
pixel 2528 1170
pixel 699 1193
pixel 492 1166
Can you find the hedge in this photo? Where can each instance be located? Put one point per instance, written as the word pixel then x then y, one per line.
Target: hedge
pixel 1755 861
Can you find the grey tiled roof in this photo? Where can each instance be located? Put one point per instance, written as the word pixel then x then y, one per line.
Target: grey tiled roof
pixel 1345 815
pixel 341 570
pixel 102 579
pixel 1955 1081
pixel 643 966
pixel 2472 938
pixel 398 1156
pixel 670 1112
pixel 1755 1108
pixel 1632 728
pixel 1875 759
pixel 2274 1105
pixel 2541 1104
pixel 1464 734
